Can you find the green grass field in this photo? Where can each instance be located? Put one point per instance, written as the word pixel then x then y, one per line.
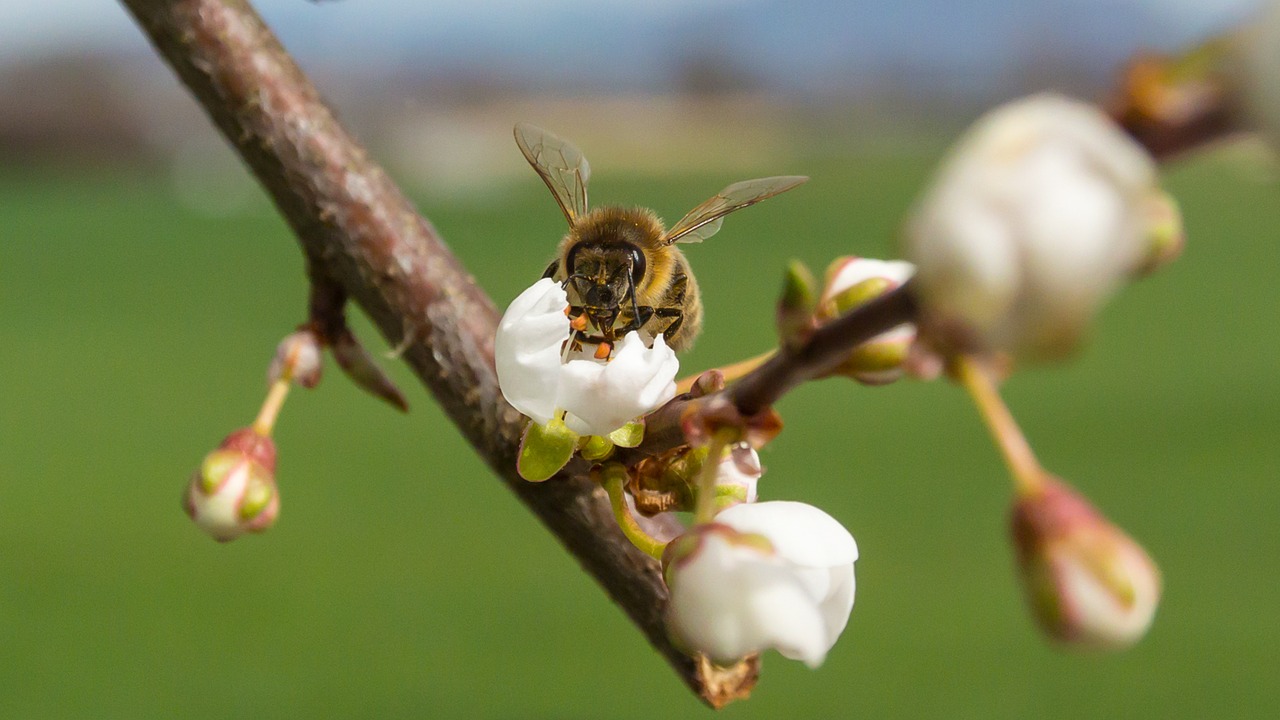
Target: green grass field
pixel 403 581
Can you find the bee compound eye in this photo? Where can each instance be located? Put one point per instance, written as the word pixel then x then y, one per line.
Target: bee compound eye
pixel 637 266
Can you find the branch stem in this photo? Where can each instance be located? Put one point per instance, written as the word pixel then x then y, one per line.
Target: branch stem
pixel 613 478
pixel 266 420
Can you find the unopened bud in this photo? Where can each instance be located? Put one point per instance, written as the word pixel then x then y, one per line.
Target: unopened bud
pixel 1086 581
pixel 855 281
pixel 234 491
pixel 796 305
pixel 1165 236
pixel 297 358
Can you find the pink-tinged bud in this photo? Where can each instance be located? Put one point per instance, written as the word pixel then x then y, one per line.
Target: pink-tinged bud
pixel 1087 582
pixel 234 491
pixel 297 358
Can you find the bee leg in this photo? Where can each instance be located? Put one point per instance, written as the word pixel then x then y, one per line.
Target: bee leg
pixel 640 316
pixel 678 320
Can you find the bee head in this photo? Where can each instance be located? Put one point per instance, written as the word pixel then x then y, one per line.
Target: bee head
pixel 605 276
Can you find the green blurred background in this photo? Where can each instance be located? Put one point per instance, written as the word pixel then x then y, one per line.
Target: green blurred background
pixel 403 580
pixel 142 293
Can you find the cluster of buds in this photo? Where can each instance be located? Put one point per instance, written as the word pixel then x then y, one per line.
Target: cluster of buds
pixel 746 576
pixel 850 283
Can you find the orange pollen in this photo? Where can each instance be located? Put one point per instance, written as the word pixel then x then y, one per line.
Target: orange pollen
pixel 579 323
pixel 604 350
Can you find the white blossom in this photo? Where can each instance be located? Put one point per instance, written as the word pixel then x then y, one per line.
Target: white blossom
pixel 763 575
pixel 1034 218
pixel 597 396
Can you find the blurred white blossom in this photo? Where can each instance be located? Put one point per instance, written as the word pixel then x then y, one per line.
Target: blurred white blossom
pixel 1033 220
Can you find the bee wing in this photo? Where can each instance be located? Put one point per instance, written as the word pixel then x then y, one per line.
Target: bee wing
pixel 704 221
pixel 561 165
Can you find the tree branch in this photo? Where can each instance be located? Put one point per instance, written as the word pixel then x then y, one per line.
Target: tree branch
pixel 357 228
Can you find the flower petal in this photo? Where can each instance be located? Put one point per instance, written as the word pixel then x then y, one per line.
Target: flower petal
pixel 602 397
pixel 527 349
pixel 801 533
pixel 729 601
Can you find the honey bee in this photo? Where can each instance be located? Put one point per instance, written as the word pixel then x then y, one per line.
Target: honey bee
pixel 620 266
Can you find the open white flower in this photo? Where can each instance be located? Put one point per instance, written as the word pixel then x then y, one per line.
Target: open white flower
pixel 1036 216
pixel 597 396
pixel 764 575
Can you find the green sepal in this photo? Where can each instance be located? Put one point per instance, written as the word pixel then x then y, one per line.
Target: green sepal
pixel 629 435
pixel 860 294
pixel 595 448
pixel 544 449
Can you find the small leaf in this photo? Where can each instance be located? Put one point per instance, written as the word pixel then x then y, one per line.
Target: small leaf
pixel 545 449
pixel 629 435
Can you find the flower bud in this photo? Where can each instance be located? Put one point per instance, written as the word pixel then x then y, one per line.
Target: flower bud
pixel 855 281
pixel 1257 67
pixel 738 474
pixel 1035 218
pixel 1086 581
pixel 794 314
pixel 1165 236
pixel 234 491
pixel 297 358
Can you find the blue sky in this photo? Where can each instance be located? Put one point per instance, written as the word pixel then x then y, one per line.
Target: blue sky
pixel 622 40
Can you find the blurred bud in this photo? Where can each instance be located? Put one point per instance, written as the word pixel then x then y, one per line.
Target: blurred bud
pixel 234 491
pixel 1034 219
pixel 360 366
pixel 1257 70
pixel 855 281
pixel 297 358
pixel 1086 581
pixel 796 305
pixel 1165 237
pixel 1170 104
